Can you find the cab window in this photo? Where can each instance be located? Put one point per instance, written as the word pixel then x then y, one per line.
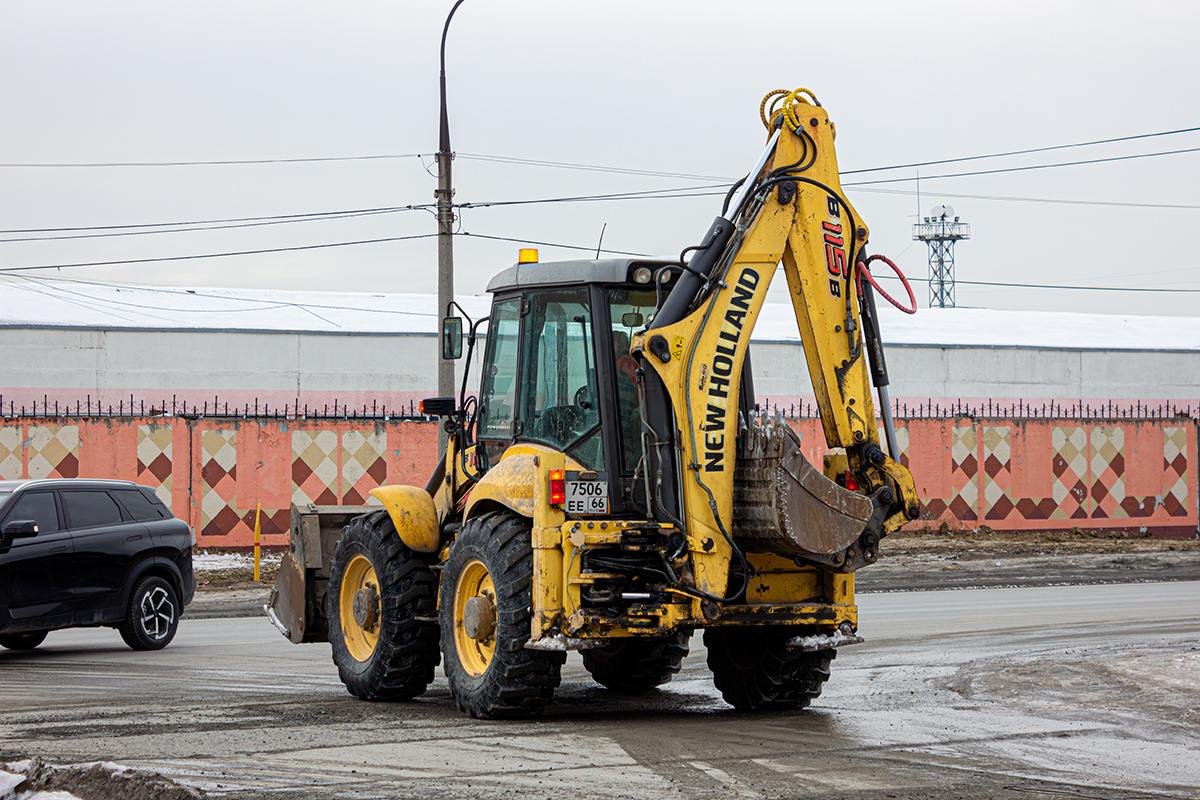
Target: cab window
pixel 498 386
pixel 628 310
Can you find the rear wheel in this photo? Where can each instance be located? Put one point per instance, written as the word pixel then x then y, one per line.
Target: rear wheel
pixel 485 620
pixel 637 665
pixel 22 641
pixel 380 602
pixel 754 669
pixel 152 616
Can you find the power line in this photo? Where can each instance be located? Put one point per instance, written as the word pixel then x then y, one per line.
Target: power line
pixel 232 162
pixel 592 167
pixel 282 217
pixel 164 229
pixel 1031 167
pixel 215 255
pixel 1059 201
pixel 1020 152
pixel 650 194
pixel 1003 285
pixel 588 249
pixel 262 305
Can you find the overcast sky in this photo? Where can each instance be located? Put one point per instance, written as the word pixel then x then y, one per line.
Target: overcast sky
pixel 669 86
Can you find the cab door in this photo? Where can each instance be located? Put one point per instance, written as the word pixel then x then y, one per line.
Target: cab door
pixel 37 578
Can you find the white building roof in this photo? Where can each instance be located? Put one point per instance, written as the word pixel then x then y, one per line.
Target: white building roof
pixel 25 304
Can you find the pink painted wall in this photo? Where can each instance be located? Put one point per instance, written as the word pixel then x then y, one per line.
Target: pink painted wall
pixel 1017 474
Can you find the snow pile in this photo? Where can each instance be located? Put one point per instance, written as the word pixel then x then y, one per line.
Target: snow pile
pixel 33 779
pixel 211 562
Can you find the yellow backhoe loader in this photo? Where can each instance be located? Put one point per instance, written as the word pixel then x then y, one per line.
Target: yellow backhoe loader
pixel 612 486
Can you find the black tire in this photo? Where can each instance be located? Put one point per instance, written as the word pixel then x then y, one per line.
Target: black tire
pixel 152 616
pixel 637 665
pixel 22 641
pixel 509 681
pixel 753 669
pixel 401 650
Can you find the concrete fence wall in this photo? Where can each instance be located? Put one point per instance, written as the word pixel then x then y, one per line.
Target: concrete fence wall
pixel 1008 474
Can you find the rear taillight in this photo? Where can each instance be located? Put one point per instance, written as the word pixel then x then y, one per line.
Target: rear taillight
pixel 558 487
pixel 851 484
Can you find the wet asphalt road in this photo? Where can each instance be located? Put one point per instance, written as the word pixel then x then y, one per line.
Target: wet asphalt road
pixel 1084 691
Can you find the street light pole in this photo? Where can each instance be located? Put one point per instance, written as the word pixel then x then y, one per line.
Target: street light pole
pixel 445 217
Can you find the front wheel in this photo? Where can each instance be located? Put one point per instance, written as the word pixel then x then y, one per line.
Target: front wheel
pixel 754 668
pixel 380 601
pixel 152 616
pixel 22 641
pixel 485 619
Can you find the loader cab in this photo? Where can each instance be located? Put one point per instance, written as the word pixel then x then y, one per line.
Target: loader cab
pixel 557 371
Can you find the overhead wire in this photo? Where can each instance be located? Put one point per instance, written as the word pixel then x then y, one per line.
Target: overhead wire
pixel 1027 168
pixel 1020 152
pixel 123 262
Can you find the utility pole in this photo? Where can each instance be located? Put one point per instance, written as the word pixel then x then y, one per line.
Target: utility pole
pixel 445 217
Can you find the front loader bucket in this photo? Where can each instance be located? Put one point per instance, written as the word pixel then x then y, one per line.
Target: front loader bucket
pixel 285 605
pixel 296 606
pixel 785 505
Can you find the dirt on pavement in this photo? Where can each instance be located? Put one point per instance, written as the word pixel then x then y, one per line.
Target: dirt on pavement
pixel 916 560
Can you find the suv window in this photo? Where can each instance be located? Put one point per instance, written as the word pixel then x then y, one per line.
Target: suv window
pixel 88 509
pixel 37 506
pixel 139 506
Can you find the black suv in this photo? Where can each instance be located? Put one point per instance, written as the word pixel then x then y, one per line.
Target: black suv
pixel 91 552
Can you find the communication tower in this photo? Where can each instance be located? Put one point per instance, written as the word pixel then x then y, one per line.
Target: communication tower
pixel 940 230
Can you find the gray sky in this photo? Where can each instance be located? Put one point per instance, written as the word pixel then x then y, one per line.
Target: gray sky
pixel 655 86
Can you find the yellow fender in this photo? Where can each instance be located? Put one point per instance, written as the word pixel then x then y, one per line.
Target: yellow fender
pixel 413 514
pixel 510 483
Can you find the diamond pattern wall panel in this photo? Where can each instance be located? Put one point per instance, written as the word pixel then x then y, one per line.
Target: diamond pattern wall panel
pixel 53 451
pixel 218 482
pixel 1070 472
pixel 155 464
pixel 364 464
pixel 11 449
pixel 964 475
pixel 1175 471
pixel 315 467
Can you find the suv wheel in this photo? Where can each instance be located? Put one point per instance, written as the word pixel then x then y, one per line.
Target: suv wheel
pixel 22 641
pixel 152 616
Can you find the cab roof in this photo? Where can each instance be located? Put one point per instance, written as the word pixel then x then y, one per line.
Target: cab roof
pixel 558 273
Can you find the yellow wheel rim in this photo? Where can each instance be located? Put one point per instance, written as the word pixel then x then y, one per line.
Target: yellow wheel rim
pixel 358 576
pixel 474 654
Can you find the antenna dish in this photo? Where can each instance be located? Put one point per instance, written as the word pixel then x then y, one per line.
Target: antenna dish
pixel 938 212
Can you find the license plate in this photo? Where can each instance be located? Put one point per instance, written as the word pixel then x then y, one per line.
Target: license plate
pixel 587 493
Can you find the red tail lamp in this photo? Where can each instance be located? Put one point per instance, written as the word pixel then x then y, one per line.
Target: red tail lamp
pixel 558 487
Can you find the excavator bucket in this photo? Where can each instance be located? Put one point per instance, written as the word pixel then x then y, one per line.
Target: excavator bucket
pixel 296 605
pixel 785 505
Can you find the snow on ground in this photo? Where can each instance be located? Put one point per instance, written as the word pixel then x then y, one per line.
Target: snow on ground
pixel 208 562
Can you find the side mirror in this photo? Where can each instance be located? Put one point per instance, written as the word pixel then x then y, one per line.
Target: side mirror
pixel 452 338
pixel 18 528
pixel 632 319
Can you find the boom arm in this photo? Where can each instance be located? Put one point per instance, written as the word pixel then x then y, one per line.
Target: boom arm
pixel 793 212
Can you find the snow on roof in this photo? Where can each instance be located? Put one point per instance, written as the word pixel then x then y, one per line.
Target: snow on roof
pixel 25 304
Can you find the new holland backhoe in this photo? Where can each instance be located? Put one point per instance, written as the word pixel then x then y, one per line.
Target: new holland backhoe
pixel 612 486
